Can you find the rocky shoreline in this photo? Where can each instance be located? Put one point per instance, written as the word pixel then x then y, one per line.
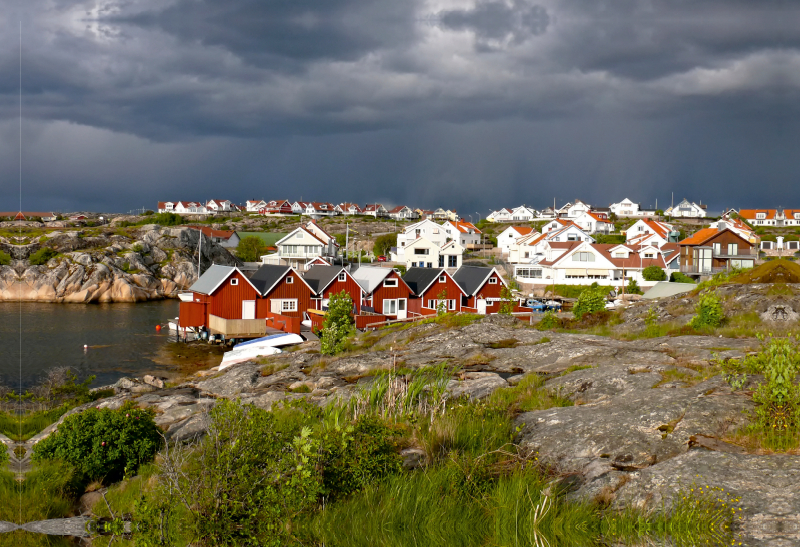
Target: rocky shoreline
pixel 149 263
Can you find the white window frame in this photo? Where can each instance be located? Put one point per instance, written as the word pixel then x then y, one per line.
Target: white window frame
pixel 234 281
pixel 442 279
pixel 342 276
pixel 391 283
pixel 492 280
pixel 289 279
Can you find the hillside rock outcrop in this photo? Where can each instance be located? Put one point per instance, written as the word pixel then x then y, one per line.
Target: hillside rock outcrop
pixel 155 263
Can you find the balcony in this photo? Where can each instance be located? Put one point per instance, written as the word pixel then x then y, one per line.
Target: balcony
pixel 697 270
pixel 741 253
pixel 237 328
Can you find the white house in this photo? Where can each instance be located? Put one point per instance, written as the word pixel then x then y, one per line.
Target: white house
pixel 427 229
pixel 402 212
pixel 422 253
pixel 300 247
pixel 627 208
pixel 319 208
pixel 462 231
pixel 648 231
pixel 217 205
pixel 507 237
pixel 299 207
pixel 584 263
pixel 685 209
pixel 575 210
pixel 533 247
pixel 375 210
pixel 503 215
pixel 594 223
pixel 254 205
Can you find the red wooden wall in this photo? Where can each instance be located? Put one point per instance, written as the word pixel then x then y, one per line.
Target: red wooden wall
pixel 350 286
pixel 489 291
pixel 452 289
pixel 283 290
pixel 389 293
pixel 192 314
pixel 226 302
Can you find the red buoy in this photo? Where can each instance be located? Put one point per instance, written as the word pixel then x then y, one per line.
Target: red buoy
pixel 158 328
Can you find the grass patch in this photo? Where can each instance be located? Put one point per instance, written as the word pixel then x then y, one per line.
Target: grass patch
pixel 270 369
pixel 530 394
pixel 503 344
pixel 48 491
pixel 23 427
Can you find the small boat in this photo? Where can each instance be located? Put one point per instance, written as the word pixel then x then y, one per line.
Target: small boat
pixel 260 347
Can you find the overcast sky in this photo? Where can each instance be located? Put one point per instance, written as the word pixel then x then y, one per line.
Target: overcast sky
pixel 455 103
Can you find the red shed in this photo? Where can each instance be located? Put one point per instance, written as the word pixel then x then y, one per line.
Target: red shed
pixel 482 286
pixel 223 291
pixel 283 291
pixel 384 291
pixel 428 284
pixel 329 280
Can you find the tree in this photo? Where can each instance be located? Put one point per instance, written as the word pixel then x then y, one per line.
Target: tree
pixel 678 277
pixel 341 239
pixel 507 301
pixel 591 300
pixel 633 287
pixel 654 273
pixel 384 243
pixel 338 324
pixel 441 303
pixel 612 217
pixel 659 212
pixel 250 249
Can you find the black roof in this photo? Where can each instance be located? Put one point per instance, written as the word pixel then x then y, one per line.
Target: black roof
pixel 471 278
pixel 418 279
pixel 319 276
pixel 266 276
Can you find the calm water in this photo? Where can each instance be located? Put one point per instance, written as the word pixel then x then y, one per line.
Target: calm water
pixel 122 339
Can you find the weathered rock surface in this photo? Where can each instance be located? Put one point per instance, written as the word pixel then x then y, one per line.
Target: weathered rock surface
pixel 157 263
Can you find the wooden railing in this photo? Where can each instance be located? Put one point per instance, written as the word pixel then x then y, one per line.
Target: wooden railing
pixel 237 328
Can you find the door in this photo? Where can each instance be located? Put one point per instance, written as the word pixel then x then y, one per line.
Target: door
pixel 481 306
pixel 248 309
pixel 401 308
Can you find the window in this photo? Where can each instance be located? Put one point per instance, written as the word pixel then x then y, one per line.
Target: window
pixel 413 264
pixel 620 255
pixel 452 262
pixel 442 279
pixel 733 248
pixel 289 280
pixel 390 283
pixel 583 257
pixel 282 305
pixel 492 281
pixel 342 276
pixel 441 261
pixel 527 254
pixel 300 235
pixel 451 305
pixel 234 281
pixel 761 215
pixel 420 251
pixel 532 273
pixel 648 255
pixel 717 248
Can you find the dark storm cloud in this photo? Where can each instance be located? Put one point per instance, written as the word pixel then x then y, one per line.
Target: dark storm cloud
pixel 497 21
pixel 277 33
pixel 422 101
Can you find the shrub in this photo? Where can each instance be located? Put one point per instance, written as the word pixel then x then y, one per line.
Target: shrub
pixel 654 273
pixel 250 249
pixel 5 258
pixel 248 476
pixel 166 219
pixel 633 287
pixel 678 277
pixel 103 443
pixel 589 301
pixel 357 455
pixel 338 324
pixel 507 302
pixel 147 213
pixel 708 312
pixel 549 320
pixel 42 256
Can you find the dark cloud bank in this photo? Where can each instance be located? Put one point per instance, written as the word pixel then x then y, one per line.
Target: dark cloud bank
pixel 474 105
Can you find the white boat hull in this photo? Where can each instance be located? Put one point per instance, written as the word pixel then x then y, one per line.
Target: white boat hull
pixel 234 357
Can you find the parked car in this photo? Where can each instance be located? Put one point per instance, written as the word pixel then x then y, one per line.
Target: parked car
pixel 381 258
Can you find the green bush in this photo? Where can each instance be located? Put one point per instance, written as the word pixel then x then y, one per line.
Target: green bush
pixel 549 320
pixel 609 238
pixel 166 219
pixel 147 213
pixel 338 324
pixel 357 455
pixel 250 249
pixel 708 312
pixel 103 444
pixel 42 256
pixel 678 277
pixel 5 258
pixel 589 301
pixel 633 287
pixel 654 273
